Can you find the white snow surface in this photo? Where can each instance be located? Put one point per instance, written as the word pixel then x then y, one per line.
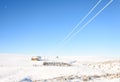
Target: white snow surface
pixel 14 68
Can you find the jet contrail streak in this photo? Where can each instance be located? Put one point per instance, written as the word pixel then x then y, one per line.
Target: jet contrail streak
pixel 68 39
pixel 82 20
pixel 90 20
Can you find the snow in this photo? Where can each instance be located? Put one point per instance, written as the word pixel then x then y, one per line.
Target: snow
pixel 20 68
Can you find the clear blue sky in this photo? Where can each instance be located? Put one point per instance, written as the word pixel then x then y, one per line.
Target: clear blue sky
pixel 37 26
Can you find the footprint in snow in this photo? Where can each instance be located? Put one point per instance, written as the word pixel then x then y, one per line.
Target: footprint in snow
pixel 26 79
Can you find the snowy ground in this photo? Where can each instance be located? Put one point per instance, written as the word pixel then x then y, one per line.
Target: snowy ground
pixel 20 68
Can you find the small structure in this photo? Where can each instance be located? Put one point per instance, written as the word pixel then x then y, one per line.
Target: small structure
pixel 36 58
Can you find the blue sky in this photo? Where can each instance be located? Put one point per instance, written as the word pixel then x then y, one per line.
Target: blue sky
pixel 38 26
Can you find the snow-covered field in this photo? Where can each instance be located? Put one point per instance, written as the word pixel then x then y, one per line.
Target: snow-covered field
pixel 20 68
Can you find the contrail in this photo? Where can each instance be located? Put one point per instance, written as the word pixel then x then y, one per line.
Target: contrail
pixel 70 37
pixel 90 20
pixel 82 20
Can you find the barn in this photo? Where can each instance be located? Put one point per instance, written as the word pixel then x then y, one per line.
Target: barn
pixel 36 58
